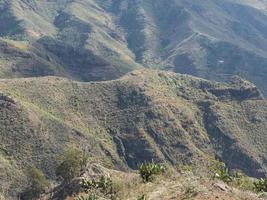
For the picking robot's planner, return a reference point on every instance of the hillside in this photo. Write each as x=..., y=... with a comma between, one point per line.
x=172, y=185
x=93, y=40
x=142, y=116
x=64, y=38
x=117, y=79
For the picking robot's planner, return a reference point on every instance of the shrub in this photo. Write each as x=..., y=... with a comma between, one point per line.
x=190, y=191
x=37, y=184
x=220, y=171
x=104, y=184
x=223, y=174
x=71, y=163
x=88, y=185
x=261, y=185
x=143, y=197
x=148, y=170
x=242, y=181
x=87, y=197
x=185, y=168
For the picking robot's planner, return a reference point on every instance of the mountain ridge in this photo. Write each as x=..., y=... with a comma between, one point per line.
x=142, y=116
x=212, y=39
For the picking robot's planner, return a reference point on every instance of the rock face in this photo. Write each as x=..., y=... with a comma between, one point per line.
x=102, y=40
x=144, y=115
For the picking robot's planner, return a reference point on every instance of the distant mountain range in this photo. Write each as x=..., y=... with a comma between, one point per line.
x=92, y=40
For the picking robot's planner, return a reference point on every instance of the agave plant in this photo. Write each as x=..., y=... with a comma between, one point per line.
x=148, y=170
x=261, y=185
x=104, y=184
x=223, y=174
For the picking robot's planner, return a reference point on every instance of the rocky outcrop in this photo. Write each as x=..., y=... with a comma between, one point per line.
x=239, y=90
x=6, y=100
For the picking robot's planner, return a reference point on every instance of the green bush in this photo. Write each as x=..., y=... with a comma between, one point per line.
x=223, y=174
x=261, y=185
x=37, y=184
x=71, y=163
x=88, y=185
x=220, y=171
x=148, y=170
x=105, y=183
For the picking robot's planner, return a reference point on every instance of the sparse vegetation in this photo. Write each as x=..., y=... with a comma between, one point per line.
x=143, y=197
x=149, y=170
x=189, y=192
x=42, y=121
x=184, y=168
x=87, y=197
x=101, y=187
x=146, y=114
x=261, y=185
x=223, y=174
x=241, y=181
x=71, y=163
x=37, y=184
x=104, y=183
x=220, y=171
x=238, y=180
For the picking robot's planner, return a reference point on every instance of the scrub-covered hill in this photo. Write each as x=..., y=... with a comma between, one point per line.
x=144, y=115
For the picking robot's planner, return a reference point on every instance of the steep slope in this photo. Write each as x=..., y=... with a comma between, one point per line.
x=144, y=115
x=101, y=40
x=211, y=39
x=75, y=39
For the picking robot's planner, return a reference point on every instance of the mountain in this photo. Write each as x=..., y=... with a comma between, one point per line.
x=63, y=38
x=118, y=79
x=93, y=40
x=144, y=115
